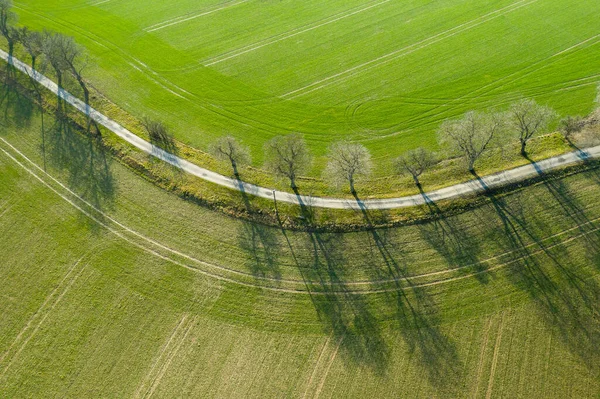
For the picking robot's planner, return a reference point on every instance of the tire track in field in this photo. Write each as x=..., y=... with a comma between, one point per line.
x=165, y=353
x=167, y=85
x=124, y=229
x=485, y=90
x=329, y=364
x=481, y=362
x=289, y=34
x=316, y=366
x=490, y=386
x=170, y=356
x=40, y=316
x=384, y=59
x=6, y=206
x=188, y=17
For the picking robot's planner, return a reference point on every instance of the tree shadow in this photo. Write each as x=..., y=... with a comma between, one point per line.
x=575, y=211
x=453, y=243
x=567, y=299
x=571, y=207
x=18, y=110
x=259, y=241
x=345, y=314
x=415, y=312
x=85, y=161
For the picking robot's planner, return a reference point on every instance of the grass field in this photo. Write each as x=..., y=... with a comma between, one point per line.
x=112, y=287
x=383, y=73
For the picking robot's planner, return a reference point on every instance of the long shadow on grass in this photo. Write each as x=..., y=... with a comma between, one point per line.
x=346, y=315
x=415, y=311
x=575, y=211
x=17, y=109
x=259, y=241
x=566, y=295
x=85, y=161
x=456, y=246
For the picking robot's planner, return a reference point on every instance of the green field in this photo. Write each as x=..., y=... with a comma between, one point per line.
x=112, y=287
x=383, y=73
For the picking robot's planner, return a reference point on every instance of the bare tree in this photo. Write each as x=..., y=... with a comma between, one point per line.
x=160, y=135
x=288, y=157
x=528, y=118
x=348, y=162
x=229, y=149
x=7, y=19
x=415, y=163
x=472, y=136
x=32, y=41
x=74, y=60
x=52, y=44
x=571, y=125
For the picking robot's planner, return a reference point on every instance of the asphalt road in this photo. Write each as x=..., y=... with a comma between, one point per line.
x=459, y=190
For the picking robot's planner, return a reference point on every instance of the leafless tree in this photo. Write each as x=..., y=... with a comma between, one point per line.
x=528, y=118
x=472, y=136
x=571, y=125
x=227, y=148
x=288, y=157
x=160, y=135
x=32, y=41
x=7, y=19
x=349, y=163
x=52, y=44
x=75, y=60
x=415, y=163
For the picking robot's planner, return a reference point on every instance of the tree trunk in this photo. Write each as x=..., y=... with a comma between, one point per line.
x=416, y=179
x=472, y=166
x=523, y=145
x=235, y=170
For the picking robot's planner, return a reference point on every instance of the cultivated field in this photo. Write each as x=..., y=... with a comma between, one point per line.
x=112, y=287
x=381, y=72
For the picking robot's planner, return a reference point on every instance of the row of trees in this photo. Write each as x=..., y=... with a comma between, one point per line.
x=59, y=51
x=469, y=137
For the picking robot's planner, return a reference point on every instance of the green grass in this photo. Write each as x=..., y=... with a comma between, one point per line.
x=439, y=60
x=151, y=295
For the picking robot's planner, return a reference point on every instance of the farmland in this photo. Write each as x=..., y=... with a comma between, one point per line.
x=381, y=73
x=114, y=287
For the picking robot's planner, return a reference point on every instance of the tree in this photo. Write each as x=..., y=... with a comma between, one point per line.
x=571, y=125
x=159, y=135
x=7, y=18
x=415, y=163
x=348, y=162
x=52, y=44
x=73, y=60
x=32, y=41
x=528, y=118
x=472, y=136
x=229, y=149
x=288, y=157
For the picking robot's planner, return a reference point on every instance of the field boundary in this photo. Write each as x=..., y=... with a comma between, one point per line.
x=496, y=262
x=475, y=186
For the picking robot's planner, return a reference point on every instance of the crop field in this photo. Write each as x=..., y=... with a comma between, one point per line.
x=380, y=72
x=112, y=287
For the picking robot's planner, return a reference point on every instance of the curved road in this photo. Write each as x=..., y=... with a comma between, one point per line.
x=471, y=187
